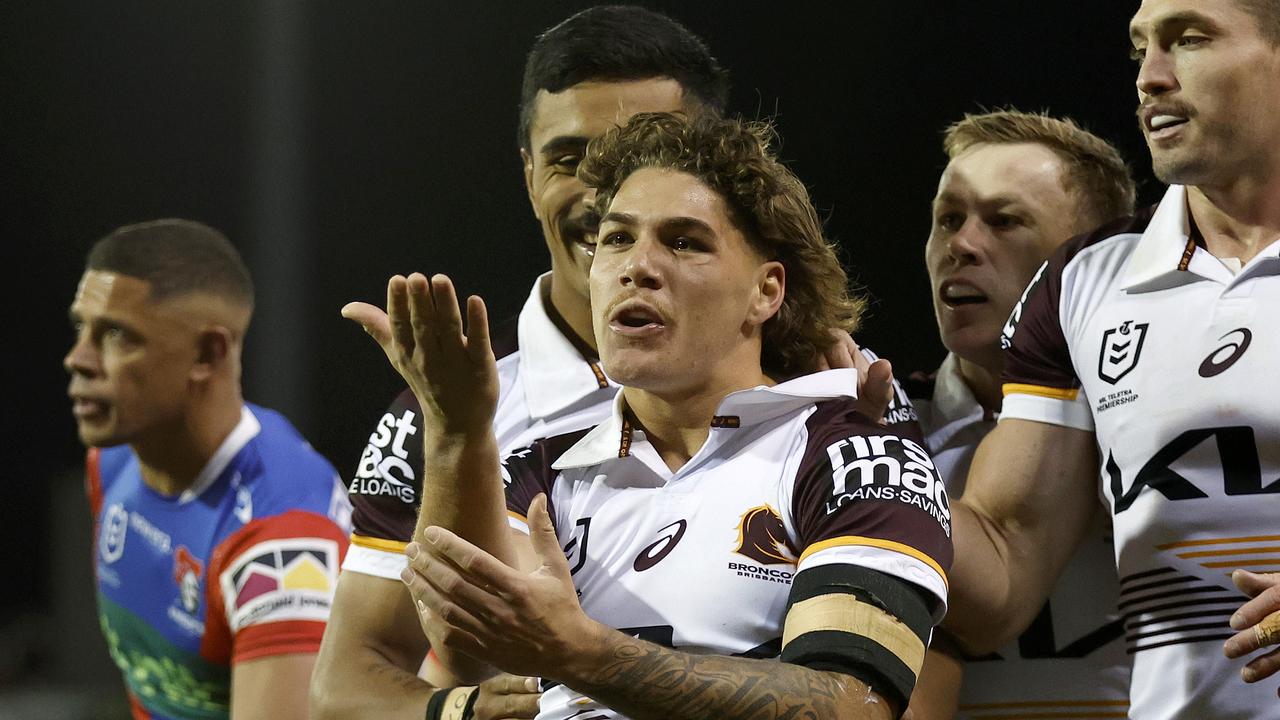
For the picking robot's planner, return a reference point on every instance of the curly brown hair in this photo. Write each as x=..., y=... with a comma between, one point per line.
x=769, y=203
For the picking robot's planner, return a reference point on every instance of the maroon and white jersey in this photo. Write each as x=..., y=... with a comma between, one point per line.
x=1169, y=355
x=1071, y=660
x=702, y=559
x=547, y=386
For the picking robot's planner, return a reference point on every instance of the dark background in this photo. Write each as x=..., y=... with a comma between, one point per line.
x=337, y=143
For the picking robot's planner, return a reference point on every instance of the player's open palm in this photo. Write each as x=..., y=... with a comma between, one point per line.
x=452, y=372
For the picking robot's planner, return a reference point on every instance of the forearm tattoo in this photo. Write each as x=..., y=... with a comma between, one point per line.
x=645, y=681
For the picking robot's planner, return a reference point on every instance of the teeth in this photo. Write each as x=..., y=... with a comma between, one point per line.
x=961, y=292
x=1162, y=121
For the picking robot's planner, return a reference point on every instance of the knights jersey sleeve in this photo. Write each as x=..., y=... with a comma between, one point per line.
x=384, y=491
x=867, y=496
x=1040, y=381
x=271, y=586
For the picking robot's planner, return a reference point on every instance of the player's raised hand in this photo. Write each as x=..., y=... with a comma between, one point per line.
x=452, y=372
x=473, y=604
x=875, y=379
x=1258, y=623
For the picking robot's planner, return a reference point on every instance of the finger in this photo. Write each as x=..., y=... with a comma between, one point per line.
x=1254, y=636
x=448, y=316
x=1252, y=583
x=398, y=313
x=1265, y=600
x=877, y=391
x=483, y=568
x=510, y=685
x=465, y=592
x=443, y=611
x=840, y=354
x=478, y=345
x=542, y=533
x=422, y=312
x=372, y=319
x=1261, y=668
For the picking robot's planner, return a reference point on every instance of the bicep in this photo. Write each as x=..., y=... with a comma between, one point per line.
x=271, y=688
x=1034, y=482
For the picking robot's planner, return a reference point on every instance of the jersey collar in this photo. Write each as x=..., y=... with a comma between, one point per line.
x=244, y=431
x=553, y=373
x=613, y=438
x=952, y=398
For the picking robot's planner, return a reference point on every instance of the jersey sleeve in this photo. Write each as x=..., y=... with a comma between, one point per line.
x=1039, y=380
x=866, y=496
x=384, y=491
x=93, y=481
x=271, y=586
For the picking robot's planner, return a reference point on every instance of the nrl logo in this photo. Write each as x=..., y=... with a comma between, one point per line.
x=1121, y=347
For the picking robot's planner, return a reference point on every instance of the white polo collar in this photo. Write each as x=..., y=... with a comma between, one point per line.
x=612, y=438
x=952, y=398
x=1166, y=255
x=553, y=373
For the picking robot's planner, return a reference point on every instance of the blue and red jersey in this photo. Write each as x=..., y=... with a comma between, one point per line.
x=241, y=566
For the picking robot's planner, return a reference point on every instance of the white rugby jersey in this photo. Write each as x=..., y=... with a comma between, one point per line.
x=702, y=559
x=1139, y=334
x=547, y=386
x=1072, y=659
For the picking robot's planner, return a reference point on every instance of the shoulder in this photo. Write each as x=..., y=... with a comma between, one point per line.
x=282, y=470
x=539, y=456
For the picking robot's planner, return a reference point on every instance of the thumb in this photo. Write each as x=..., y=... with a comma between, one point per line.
x=542, y=533
x=372, y=319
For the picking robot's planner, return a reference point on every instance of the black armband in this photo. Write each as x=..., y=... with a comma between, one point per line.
x=860, y=622
x=454, y=703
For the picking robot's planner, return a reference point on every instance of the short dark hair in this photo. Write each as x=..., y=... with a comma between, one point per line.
x=769, y=203
x=1094, y=173
x=176, y=257
x=617, y=43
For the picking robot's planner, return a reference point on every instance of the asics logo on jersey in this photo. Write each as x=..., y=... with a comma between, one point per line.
x=1237, y=454
x=385, y=468
x=1121, y=348
x=887, y=467
x=1006, y=334
x=1221, y=359
x=657, y=551
x=763, y=538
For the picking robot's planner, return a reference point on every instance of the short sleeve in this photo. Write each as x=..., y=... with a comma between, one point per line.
x=1039, y=380
x=867, y=496
x=271, y=586
x=384, y=491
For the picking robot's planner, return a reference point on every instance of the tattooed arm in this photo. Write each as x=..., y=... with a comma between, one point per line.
x=646, y=681
x=529, y=622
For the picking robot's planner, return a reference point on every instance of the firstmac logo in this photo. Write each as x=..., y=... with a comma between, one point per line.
x=887, y=467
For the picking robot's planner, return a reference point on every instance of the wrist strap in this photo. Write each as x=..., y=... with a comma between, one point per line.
x=452, y=703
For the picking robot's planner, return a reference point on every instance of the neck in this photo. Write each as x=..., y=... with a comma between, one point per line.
x=983, y=382
x=170, y=461
x=1239, y=220
x=572, y=309
x=677, y=423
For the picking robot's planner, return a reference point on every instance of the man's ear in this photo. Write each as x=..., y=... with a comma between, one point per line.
x=213, y=348
x=527, y=160
x=771, y=287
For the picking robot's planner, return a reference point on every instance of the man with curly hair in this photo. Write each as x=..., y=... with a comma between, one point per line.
x=726, y=513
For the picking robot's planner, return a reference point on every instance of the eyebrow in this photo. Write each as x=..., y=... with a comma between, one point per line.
x=995, y=201
x=672, y=223
x=1186, y=18
x=561, y=143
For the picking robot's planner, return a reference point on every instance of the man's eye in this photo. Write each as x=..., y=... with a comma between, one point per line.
x=1005, y=220
x=950, y=221
x=614, y=238
x=1190, y=40
x=1138, y=54
x=568, y=163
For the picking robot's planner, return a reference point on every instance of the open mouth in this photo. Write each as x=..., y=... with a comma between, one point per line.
x=87, y=408
x=956, y=294
x=636, y=319
x=1163, y=124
